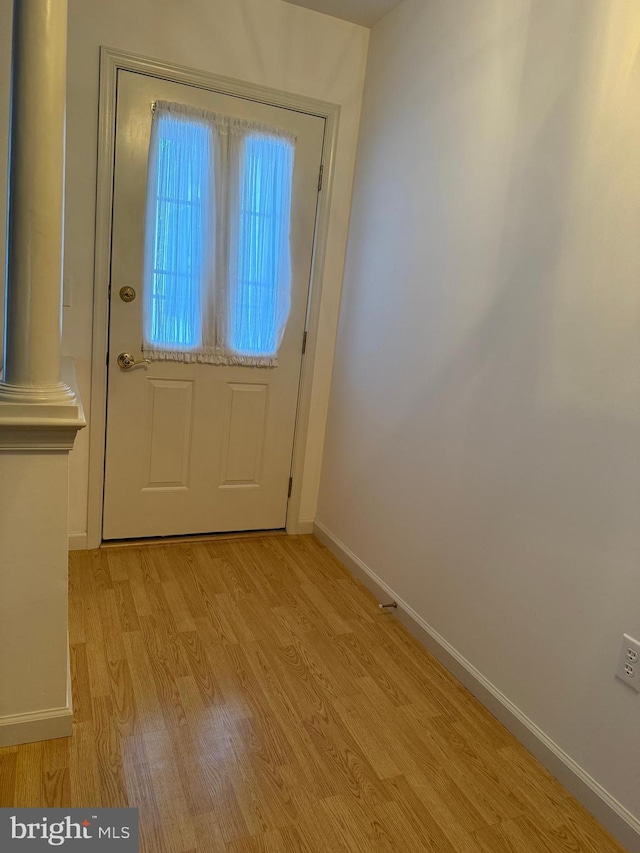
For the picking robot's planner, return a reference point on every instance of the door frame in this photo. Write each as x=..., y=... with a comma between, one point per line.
x=111, y=62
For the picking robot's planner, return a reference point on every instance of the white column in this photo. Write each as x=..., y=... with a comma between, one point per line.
x=39, y=413
x=36, y=205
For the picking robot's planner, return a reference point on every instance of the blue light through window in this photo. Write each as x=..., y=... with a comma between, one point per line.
x=216, y=242
x=259, y=299
x=182, y=197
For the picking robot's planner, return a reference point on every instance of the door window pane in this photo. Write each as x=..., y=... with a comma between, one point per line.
x=178, y=213
x=260, y=298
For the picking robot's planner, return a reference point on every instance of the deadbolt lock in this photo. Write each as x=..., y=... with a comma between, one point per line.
x=127, y=294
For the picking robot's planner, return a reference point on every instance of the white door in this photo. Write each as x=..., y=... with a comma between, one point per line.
x=198, y=447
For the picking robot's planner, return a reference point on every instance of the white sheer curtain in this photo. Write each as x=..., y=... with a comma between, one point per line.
x=217, y=271
x=259, y=254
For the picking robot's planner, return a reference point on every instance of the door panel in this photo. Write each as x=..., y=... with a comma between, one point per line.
x=195, y=448
x=244, y=434
x=170, y=408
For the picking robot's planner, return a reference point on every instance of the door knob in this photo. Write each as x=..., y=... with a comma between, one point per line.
x=126, y=361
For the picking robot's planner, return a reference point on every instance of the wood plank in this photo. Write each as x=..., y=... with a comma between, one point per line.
x=28, y=776
x=8, y=768
x=86, y=785
x=126, y=606
x=177, y=830
x=109, y=754
x=56, y=777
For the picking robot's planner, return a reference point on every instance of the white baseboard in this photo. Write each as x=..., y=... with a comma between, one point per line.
x=41, y=725
x=611, y=814
x=78, y=542
x=49, y=724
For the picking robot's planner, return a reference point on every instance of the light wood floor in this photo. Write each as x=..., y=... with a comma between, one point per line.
x=250, y=696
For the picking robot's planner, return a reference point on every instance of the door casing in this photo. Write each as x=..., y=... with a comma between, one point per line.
x=111, y=61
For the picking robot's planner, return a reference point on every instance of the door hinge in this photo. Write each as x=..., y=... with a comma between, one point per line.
x=290, y=487
x=320, y=177
x=304, y=342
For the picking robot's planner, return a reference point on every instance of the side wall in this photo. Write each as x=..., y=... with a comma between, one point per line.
x=5, y=77
x=483, y=443
x=261, y=41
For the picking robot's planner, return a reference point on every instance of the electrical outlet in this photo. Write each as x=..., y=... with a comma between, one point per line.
x=629, y=662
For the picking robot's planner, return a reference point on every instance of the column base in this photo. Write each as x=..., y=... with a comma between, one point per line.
x=41, y=418
x=52, y=394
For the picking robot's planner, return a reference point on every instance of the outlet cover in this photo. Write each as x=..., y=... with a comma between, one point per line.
x=629, y=662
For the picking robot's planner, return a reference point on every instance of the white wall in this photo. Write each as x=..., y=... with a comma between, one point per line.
x=483, y=441
x=262, y=41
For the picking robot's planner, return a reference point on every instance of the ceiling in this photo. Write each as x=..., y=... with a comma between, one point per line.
x=364, y=12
